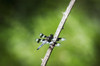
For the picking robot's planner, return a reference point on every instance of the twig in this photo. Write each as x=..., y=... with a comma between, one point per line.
x=62, y=22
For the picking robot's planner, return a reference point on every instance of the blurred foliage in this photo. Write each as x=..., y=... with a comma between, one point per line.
x=21, y=21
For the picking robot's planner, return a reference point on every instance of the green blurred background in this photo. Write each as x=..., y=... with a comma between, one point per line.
x=21, y=22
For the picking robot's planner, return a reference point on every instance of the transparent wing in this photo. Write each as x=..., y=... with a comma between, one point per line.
x=57, y=45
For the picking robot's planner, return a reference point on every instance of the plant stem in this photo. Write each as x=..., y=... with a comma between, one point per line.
x=60, y=26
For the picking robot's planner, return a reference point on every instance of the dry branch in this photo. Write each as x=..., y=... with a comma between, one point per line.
x=62, y=22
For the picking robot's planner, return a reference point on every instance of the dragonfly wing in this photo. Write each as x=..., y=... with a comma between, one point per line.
x=57, y=44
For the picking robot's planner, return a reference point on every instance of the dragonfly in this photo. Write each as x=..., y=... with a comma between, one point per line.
x=47, y=40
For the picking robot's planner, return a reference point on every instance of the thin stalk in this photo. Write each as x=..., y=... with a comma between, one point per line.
x=60, y=26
